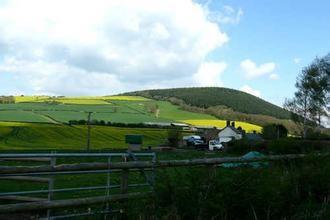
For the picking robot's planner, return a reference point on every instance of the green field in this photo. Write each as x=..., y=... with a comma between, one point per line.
x=42, y=122
x=23, y=136
x=119, y=109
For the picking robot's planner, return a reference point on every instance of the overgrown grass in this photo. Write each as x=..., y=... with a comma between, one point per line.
x=298, y=189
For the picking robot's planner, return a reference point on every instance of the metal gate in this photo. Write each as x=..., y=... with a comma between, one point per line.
x=45, y=186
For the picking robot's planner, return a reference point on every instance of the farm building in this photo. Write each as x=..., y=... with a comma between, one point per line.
x=229, y=133
x=224, y=135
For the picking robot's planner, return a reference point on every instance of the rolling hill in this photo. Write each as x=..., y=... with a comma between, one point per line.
x=43, y=122
x=206, y=97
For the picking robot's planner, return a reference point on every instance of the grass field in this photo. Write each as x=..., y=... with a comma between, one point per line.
x=21, y=116
x=23, y=136
x=169, y=111
x=119, y=109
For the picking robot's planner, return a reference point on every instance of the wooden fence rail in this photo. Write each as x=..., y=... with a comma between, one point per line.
x=42, y=205
x=125, y=167
x=145, y=164
x=24, y=202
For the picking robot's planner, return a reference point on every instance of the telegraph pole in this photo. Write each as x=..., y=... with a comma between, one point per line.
x=89, y=130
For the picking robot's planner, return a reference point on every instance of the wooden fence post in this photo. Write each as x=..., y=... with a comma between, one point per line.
x=124, y=189
x=107, y=207
x=51, y=186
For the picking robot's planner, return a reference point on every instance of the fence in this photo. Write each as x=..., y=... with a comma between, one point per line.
x=124, y=167
x=48, y=177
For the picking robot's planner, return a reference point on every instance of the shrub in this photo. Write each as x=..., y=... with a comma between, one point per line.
x=174, y=137
x=244, y=146
x=297, y=146
x=275, y=192
x=274, y=131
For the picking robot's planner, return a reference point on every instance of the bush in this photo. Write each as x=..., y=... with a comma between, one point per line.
x=274, y=131
x=82, y=122
x=244, y=146
x=276, y=192
x=174, y=137
x=297, y=146
x=317, y=134
x=115, y=124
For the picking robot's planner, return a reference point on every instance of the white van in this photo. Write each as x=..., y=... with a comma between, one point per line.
x=215, y=145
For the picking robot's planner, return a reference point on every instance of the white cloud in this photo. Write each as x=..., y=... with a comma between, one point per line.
x=114, y=45
x=273, y=76
x=209, y=74
x=251, y=70
x=251, y=91
x=227, y=15
x=296, y=60
x=49, y=78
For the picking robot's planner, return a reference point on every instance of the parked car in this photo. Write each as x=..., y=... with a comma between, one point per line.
x=190, y=137
x=215, y=145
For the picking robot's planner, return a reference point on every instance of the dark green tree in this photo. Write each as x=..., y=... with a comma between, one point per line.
x=310, y=100
x=274, y=131
x=320, y=89
x=174, y=137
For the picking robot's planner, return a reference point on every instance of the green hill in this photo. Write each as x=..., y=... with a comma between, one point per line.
x=207, y=97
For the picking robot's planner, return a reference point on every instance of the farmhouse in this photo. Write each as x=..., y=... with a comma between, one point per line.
x=229, y=133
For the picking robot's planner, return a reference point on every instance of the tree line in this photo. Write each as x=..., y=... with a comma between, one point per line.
x=116, y=124
x=7, y=99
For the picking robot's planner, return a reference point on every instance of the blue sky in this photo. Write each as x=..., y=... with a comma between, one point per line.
x=105, y=47
x=279, y=32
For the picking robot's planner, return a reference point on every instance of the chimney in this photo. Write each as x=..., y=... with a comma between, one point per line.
x=233, y=123
x=228, y=123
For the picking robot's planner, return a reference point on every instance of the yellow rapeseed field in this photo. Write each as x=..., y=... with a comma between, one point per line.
x=222, y=123
x=82, y=101
x=126, y=98
x=30, y=98
x=88, y=100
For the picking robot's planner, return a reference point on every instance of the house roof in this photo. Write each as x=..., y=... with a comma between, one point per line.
x=179, y=124
x=232, y=128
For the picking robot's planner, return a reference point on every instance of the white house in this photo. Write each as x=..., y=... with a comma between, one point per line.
x=229, y=133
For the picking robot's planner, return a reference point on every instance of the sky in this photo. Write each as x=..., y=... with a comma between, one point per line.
x=103, y=47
